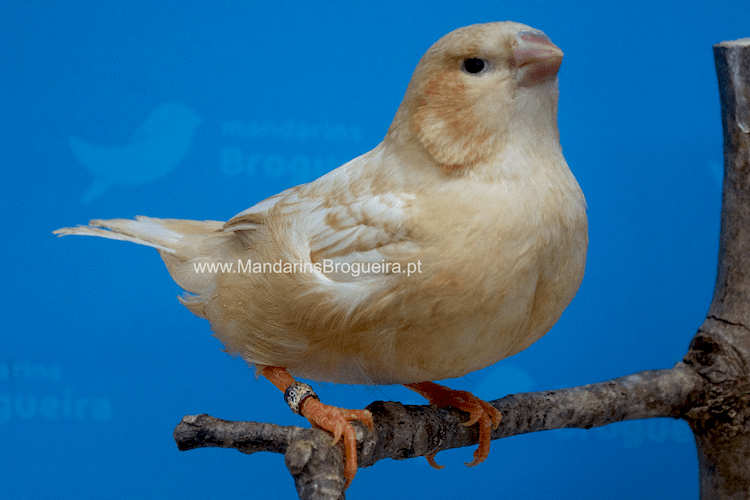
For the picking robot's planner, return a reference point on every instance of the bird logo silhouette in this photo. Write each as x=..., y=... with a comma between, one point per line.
x=155, y=149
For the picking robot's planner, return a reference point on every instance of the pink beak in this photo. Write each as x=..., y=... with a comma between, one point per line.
x=536, y=57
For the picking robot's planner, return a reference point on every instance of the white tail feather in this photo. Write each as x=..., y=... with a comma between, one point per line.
x=142, y=231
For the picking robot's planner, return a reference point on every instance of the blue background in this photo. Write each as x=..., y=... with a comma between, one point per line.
x=234, y=102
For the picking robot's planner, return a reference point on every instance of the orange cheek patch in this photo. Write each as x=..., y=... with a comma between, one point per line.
x=444, y=120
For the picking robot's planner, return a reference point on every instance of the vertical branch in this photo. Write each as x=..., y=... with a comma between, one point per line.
x=732, y=293
x=720, y=351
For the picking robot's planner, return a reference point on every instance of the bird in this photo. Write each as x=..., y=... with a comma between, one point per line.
x=154, y=150
x=456, y=242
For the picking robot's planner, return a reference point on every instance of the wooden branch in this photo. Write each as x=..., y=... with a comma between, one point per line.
x=407, y=431
x=720, y=351
x=710, y=389
x=731, y=301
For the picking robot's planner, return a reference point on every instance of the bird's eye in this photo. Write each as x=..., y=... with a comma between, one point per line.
x=474, y=65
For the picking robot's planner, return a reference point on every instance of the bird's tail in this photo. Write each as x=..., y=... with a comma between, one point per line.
x=181, y=243
x=147, y=231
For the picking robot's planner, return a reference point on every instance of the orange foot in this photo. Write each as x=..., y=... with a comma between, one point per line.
x=333, y=419
x=479, y=411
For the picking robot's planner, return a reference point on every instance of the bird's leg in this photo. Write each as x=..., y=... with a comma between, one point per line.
x=479, y=411
x=303, y=401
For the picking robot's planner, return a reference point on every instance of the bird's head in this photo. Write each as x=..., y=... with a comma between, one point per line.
x=474, y=87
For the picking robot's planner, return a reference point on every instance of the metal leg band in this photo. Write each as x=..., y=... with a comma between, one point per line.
x=296, y=393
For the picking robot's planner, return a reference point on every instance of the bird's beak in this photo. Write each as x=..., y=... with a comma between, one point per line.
x=536, y=58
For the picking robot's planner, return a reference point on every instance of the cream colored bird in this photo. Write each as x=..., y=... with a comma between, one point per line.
x=458, y=241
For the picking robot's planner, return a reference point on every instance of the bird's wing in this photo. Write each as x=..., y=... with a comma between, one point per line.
x=338, y=231
x=363, y=229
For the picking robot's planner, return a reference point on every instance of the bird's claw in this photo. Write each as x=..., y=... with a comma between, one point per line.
x=337, y=421
x=487, y=416
x=433, y=463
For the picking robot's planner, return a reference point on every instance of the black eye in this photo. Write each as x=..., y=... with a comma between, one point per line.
x=474, y=65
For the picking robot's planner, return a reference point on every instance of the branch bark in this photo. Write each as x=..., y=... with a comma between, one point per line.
x=407, y=431
x=710, y=388
x=720, y=351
